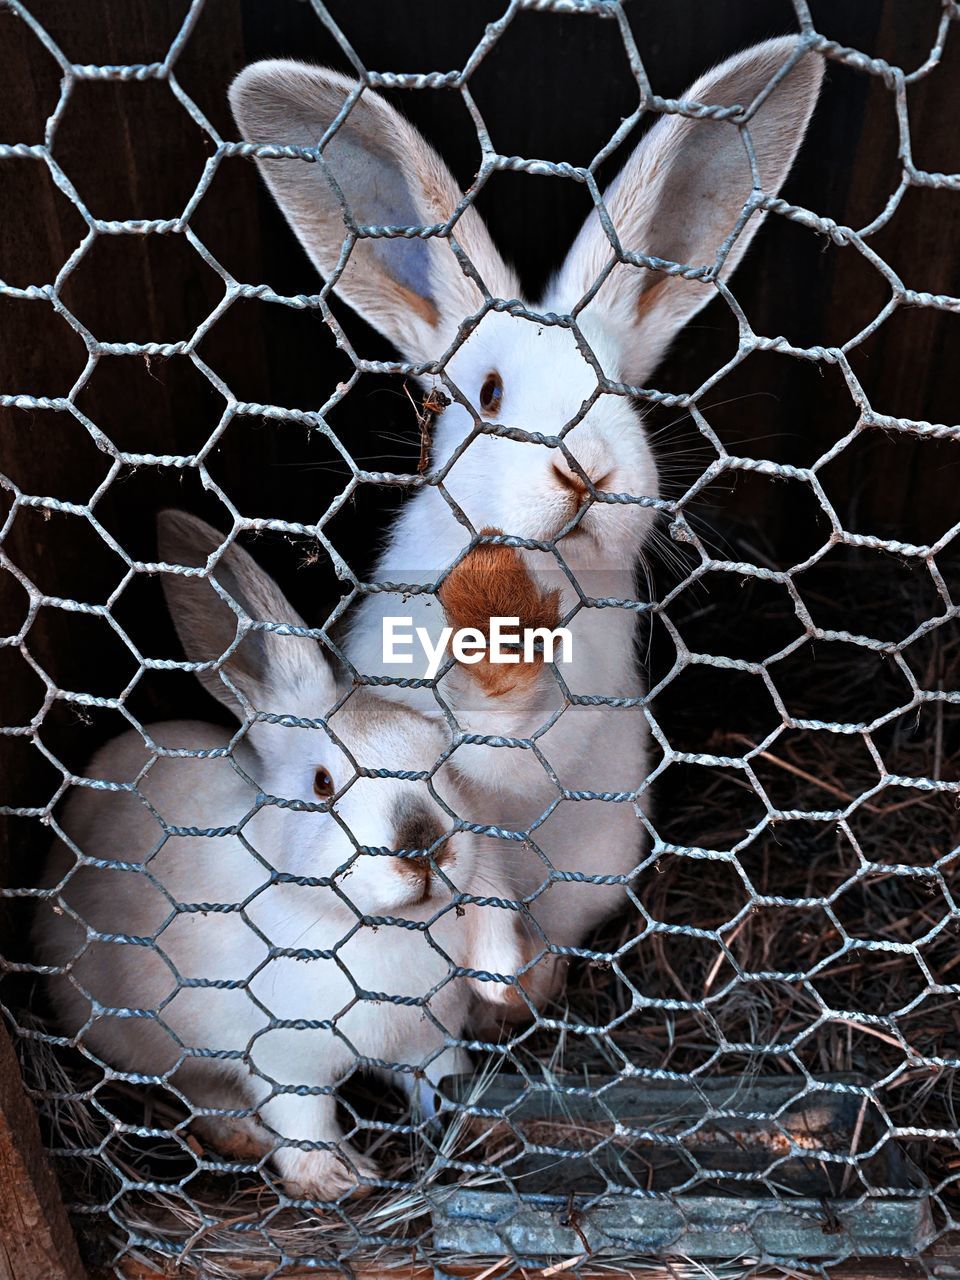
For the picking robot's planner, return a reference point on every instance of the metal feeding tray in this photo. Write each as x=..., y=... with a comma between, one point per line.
x=718, y=1168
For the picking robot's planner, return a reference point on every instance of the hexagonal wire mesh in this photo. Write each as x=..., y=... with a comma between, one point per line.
x=610, y=1128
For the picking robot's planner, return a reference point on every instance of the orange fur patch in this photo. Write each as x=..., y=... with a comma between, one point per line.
x=493, y=582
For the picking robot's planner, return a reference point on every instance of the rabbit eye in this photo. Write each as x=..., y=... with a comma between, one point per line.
x=323, y=787
x=491, y=393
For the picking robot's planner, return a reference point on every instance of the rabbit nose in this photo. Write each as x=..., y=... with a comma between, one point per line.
x=418, y=831
x=575, y=485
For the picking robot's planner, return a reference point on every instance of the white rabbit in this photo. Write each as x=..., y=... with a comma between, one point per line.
x=677, y=199
x=250, y=899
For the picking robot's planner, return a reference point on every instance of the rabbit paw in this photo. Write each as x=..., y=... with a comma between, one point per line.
x=328, y=1174
x=507, y=1005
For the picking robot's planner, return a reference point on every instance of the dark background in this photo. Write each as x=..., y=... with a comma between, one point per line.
x=555, y=87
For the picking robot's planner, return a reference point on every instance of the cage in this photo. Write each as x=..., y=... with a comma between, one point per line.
x=749, y=1068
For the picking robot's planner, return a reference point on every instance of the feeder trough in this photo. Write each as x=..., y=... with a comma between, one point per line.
x=666, y=1168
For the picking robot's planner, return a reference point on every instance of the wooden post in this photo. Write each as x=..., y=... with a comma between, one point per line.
x=36, y=1241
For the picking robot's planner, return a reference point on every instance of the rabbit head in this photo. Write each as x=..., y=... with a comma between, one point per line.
x=353, y=165
x=322, y=809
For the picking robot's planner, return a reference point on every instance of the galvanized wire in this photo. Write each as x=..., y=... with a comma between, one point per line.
x=132, y=1242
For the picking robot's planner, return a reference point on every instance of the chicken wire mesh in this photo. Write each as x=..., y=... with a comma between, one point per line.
x=764, y=1048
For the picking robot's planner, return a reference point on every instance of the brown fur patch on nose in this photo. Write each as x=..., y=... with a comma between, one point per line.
x=493, y=582
x=417, y=830
x=571, y=481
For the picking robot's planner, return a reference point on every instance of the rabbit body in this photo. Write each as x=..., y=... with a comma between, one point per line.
x=541, y=439
x=210, y=923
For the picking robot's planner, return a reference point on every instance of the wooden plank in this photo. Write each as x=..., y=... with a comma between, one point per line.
x=947, y=1265
x=36, y=1241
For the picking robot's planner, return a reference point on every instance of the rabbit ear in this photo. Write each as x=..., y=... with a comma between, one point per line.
x=411, y=288
x=273, y=671
x=679, y=197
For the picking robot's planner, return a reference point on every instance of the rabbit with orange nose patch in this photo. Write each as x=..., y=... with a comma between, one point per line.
x=542, y=440
x=250, y=915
